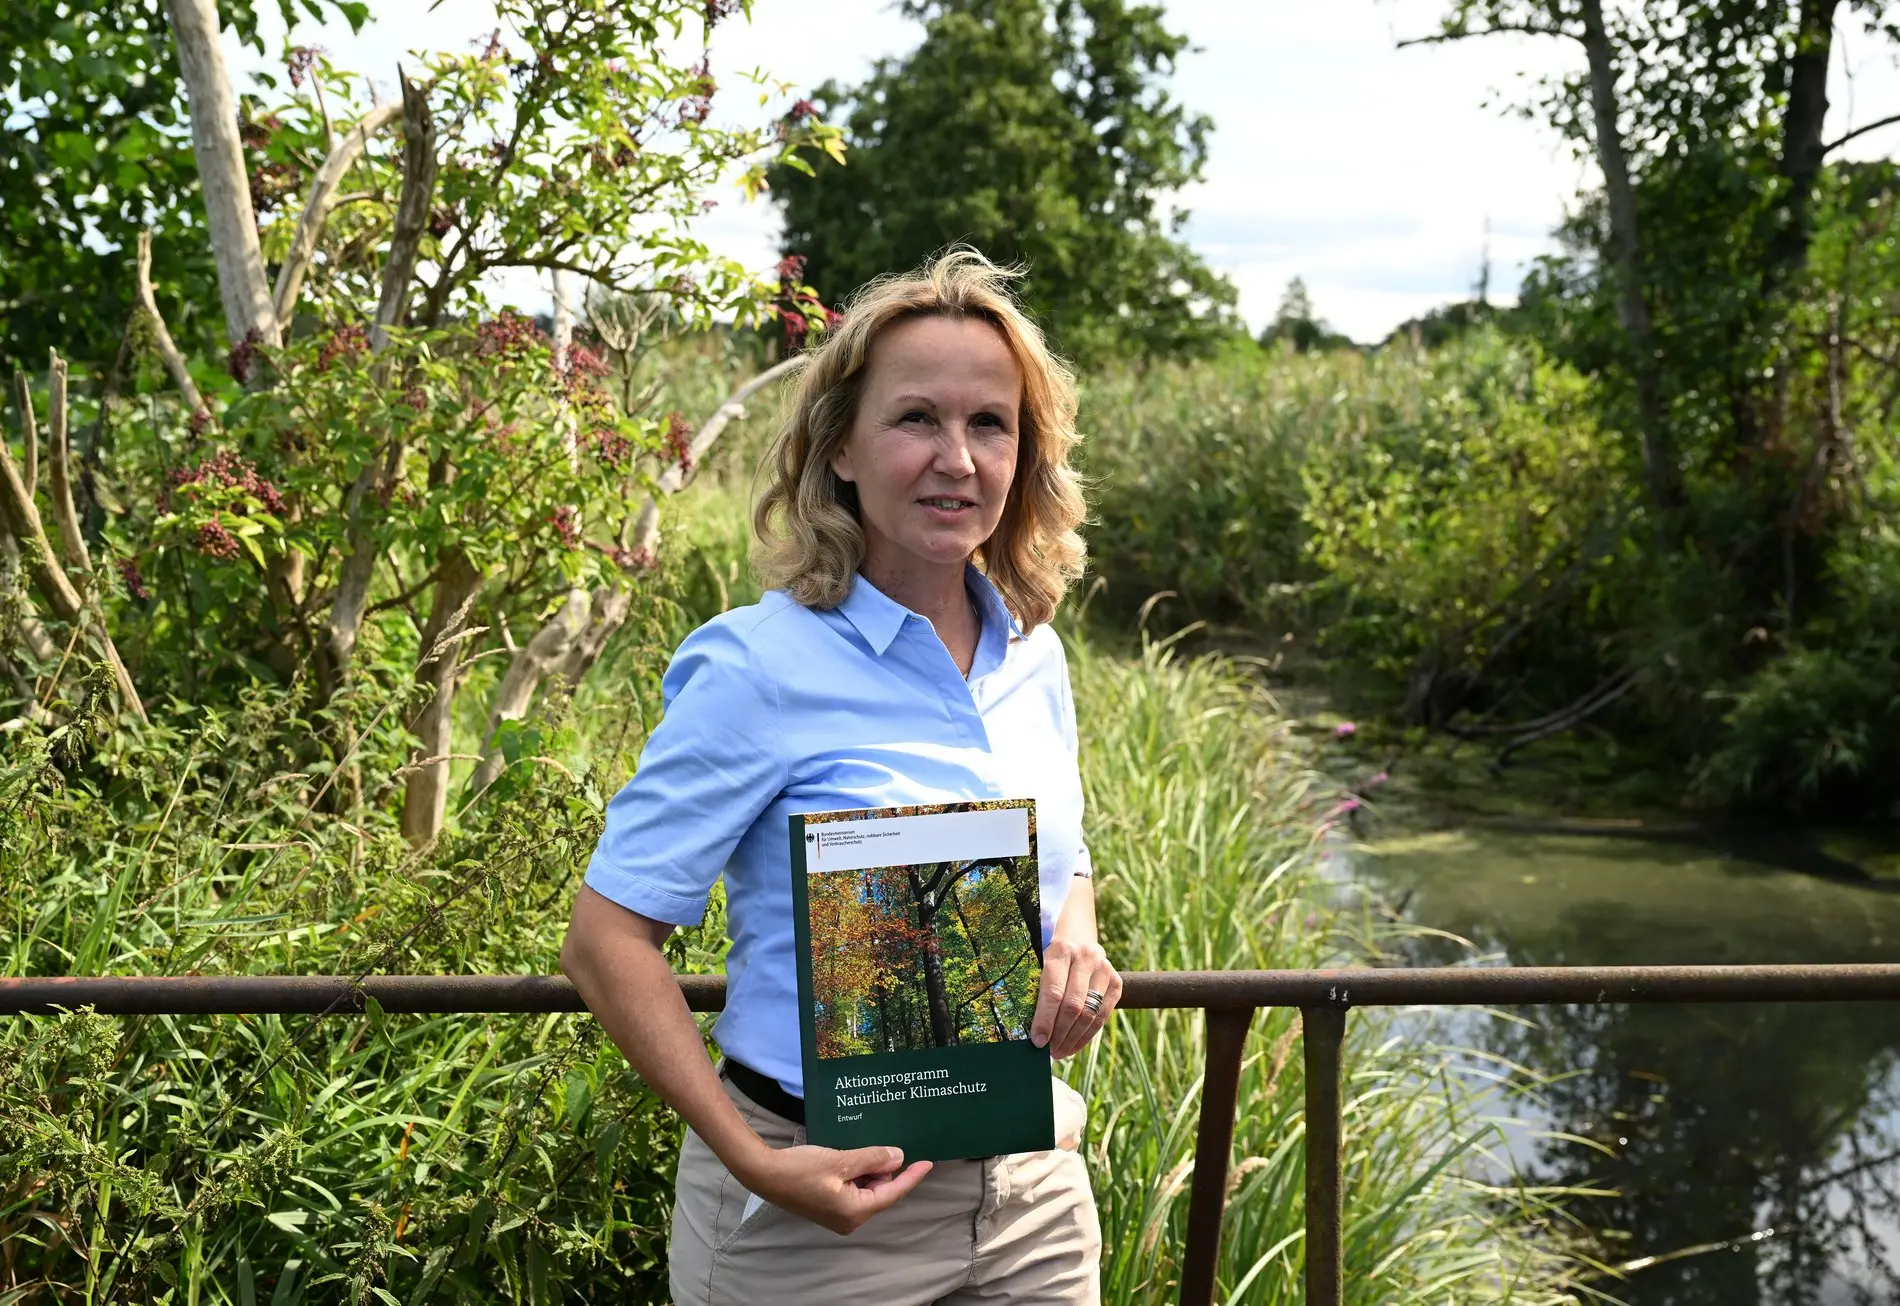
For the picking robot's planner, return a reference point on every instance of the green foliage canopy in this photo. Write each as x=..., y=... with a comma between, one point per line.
x=95, y=148
x=1037, y=132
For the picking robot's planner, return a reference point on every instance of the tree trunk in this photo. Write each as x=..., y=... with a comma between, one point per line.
x=337, y=642
x=248, y=312
x=1802, y=149
x=1659, y=466
x=426, y=792
x=419, y=166
x=942, y=1032
x=1027, y=891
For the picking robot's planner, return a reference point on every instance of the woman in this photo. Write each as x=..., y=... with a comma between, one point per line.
x=919, y=531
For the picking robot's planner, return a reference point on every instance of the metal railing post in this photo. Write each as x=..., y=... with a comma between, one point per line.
x=1323, y=1032
x=1207, y=1201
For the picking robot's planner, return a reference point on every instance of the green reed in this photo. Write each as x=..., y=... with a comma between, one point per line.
x=1205, y=828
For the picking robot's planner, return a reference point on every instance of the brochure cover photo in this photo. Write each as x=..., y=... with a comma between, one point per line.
x=919, y=960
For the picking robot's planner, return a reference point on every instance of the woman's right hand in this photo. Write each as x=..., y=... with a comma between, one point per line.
x=839, y=1190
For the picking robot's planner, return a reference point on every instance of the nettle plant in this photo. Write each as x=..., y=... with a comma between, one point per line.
x=385, y=476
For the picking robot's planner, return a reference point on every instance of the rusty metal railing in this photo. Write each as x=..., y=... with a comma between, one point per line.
x=1228, y=1000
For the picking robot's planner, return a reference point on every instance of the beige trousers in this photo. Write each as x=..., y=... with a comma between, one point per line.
x=1010, y=1229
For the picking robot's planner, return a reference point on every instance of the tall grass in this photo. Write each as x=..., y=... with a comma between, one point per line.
x=1203, y=823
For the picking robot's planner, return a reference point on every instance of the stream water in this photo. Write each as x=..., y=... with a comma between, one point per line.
x=1754, y=1150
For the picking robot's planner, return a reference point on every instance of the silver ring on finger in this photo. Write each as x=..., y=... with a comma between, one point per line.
x=1094, y=1002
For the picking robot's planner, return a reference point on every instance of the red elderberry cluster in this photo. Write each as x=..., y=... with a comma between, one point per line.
x=215, y=541
x=697, y=106
x=298, y=62
x=134, y=582
x=679, y=441
x=719, y=10
x=229, y=470
x=794, y=299
x=507, y=335
x=567, y=524
x=242, y=360
x=349, y=343
x=801, y=110
x=580, y=371
x=416, y=398
x=636, y=559
x=612, y=449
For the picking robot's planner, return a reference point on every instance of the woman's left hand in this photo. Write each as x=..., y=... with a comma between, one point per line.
x=1072, y=973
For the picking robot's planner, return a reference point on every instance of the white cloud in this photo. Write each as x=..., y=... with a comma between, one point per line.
x=1368, y=170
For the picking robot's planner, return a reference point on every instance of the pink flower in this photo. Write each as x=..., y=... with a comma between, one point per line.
x=1376, y=779
x=1345, y=730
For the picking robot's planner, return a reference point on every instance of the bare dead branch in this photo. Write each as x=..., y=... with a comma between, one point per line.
x=167, y=347
x=426, y=791
x=1494, y=29
x=646, y=534
x=22, y=520
x=30, y=426
x=1841, y=140
x=59, y=482
x=321, y=201
x=32, y=631
x=412, y=211
x=527, y=668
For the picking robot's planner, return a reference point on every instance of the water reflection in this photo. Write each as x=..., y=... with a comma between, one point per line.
x=1714, y=1124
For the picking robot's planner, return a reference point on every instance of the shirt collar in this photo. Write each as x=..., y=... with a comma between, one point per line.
x=878, y=617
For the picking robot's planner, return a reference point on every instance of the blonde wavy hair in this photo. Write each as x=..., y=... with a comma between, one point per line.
x=808, y=540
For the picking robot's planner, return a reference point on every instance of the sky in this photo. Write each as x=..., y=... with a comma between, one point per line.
x=1378, y=175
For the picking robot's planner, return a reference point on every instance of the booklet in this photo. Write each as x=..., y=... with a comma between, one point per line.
x=919, y=935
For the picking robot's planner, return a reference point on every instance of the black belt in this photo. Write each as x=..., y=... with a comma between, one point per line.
x=764, y=1090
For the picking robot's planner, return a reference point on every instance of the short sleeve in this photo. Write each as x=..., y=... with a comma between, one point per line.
x=710, y=767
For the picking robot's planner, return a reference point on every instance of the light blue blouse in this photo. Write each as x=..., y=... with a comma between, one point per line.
x=778, y=708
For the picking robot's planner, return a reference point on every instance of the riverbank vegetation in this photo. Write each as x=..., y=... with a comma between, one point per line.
x=1651, y=501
